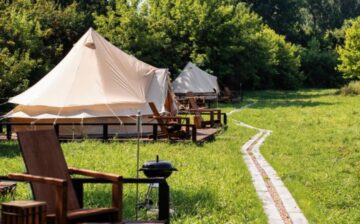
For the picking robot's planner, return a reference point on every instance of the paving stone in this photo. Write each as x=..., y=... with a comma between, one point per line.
x=270, y=208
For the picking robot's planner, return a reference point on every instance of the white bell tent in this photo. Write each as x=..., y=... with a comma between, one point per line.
x=96, y=82
x=193, y=79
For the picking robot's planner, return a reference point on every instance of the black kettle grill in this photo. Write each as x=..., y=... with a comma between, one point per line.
x=154, y=168
x=158, y=168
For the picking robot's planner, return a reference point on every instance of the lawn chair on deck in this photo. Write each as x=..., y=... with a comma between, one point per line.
x=170, y=125
x=198, y=120
x=227, y=95
x=50, y=181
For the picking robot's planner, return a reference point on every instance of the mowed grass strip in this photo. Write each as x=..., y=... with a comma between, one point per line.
x=211, y=186
x=314, y=147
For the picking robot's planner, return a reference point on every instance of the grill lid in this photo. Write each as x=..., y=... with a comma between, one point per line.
x=158, y=165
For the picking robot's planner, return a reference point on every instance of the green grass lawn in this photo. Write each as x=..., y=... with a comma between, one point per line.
x=314, y=147
x=211, y=186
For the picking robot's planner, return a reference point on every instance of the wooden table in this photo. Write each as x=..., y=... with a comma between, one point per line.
x=23, y=212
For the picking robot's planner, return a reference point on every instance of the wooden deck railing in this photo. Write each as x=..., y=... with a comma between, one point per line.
x=223, y=115
x=105, y=128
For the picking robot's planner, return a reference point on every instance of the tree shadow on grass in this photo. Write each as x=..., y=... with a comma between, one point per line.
x=185, y=203
x=99, y=195
x=289, y=103
x=289, y=95
x=273, y=99
x=9, y=149
x=191, y=203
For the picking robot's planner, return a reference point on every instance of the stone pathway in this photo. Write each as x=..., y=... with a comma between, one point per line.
x=278, y=203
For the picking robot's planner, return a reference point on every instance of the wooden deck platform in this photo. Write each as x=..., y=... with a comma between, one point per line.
x=206, y=134
x=202, y=135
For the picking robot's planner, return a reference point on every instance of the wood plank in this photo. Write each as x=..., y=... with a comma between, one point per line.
x=205, y=134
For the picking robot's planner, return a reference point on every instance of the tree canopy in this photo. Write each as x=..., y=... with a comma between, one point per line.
x=33, y=36
x=226, y=39
x=259, y=44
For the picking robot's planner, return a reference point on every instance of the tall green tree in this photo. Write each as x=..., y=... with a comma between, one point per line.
x=350, y=52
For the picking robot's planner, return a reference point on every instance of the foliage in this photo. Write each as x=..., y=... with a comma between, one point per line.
x=15, y=69
x=34, y=35
x=212, y=184
x=283, y=70
x=306, y=22
x=236, y=40
x=302, y=20
x=353, y=88
x=314, y=147
x=318, y=63
x=88, y=8
x=350, y=52
x=227, y=39
x=286, y=17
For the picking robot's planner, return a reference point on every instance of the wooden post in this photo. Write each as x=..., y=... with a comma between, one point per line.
x=218, y=116
x=117, y=198
x=212, y=118
x=225, y=119
x=193, y=137
x=57, y=129
x=105, y=132
x=155, y=132
x=187, y=128
x=164, y=202
x=61, y=203
x=79, y=191
x=8, y=131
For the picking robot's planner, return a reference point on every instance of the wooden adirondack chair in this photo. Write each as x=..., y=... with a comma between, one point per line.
x=226, y=96
x=50, y=180
x=198, y=120
x=199, y=100
x=169, y=125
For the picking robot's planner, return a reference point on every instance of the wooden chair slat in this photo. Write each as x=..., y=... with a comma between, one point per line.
x=43, y=157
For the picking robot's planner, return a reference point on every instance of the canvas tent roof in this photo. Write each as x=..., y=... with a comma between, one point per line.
x=193, y=79
x=95, y=79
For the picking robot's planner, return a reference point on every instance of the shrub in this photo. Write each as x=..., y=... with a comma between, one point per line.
x=353, y=88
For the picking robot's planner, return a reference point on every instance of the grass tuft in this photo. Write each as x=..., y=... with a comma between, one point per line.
x=353, y=88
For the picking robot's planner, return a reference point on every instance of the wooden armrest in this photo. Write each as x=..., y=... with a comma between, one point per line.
x=60, y=192
x=167, y=117
x=117, y=188
x=106, y=176
x=38, y=179
x=126, y=180
x=205, y=110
